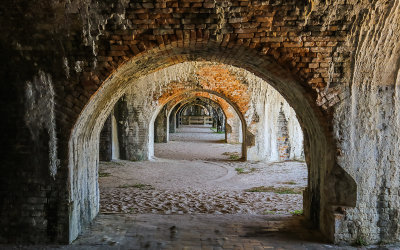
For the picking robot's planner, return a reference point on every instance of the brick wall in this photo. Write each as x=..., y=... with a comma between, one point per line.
x=328, y=61
x=161, y=127
x=283, y=137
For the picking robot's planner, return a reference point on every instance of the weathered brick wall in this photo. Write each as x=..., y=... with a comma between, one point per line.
x=161, y=127
x=276, y=136
x=233, y=128
x=302, y=48
x=283, y=137
x=134, y=135
x=246, y=92
x=284, y=31
x=120, y=112
x=366, y=125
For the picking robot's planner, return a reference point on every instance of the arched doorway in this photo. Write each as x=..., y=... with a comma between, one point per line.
x=319, y=147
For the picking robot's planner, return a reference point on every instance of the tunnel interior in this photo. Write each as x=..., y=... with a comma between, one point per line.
x=206, y=79
x=198, y=166
x=93, y=84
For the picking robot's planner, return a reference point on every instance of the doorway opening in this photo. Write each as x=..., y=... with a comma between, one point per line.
x=88, y=127
x=198, y=166
x=200, y=129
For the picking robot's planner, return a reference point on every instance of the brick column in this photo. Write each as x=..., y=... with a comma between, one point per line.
x=233, y=130
x=172, y=122
x=133, y=130
x=161, y=127
x=105, y=147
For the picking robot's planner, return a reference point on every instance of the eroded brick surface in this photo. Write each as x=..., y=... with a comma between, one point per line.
x=336, y=64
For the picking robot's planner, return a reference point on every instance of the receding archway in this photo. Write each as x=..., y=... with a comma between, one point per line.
x=319, y=146
x=226, y=114
x=231, y=117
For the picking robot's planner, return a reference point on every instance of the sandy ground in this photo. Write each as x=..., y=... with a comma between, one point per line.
x=196, y=143
x=194, y=174
x=200, y=182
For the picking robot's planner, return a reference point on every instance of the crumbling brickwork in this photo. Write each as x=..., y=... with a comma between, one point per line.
x=335, y=63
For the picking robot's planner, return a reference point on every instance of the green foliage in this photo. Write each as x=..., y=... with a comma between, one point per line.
x=215, y=131
x=360, y=241
x=239, y=170
x=297, y=212
x=103, y=174
x=245, y=170
x=232, y=155
x=111, y=163
x=277, y=190
x=253, y=170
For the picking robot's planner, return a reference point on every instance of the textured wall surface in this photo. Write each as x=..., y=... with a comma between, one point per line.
x=277, y=108
x=161, y=126
x=367, y=125
x=233, y=129
x=249, y=97
x=65, y=64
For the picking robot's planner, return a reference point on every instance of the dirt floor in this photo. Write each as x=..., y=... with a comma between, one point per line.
x=195, y=195
x=196, y=173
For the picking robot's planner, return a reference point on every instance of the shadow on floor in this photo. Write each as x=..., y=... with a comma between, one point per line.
x=152, y=231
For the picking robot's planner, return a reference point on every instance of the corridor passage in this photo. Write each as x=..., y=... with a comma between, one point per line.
x=201, y=232
x=196, y=142
x=197, y=194
x=196, y=173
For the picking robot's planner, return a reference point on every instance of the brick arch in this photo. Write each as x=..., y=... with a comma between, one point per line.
x=233, y=125
x=316, y=125
x=223, y=101
x=192, y=103
x=170, y=100
x=197, y=104
x=188, y=96
x=186, y=103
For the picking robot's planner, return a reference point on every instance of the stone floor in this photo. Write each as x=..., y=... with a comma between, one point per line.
x=198, y=173
x=151, y=231
x=199, y=232
x=194, y=174
x=196, y=143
